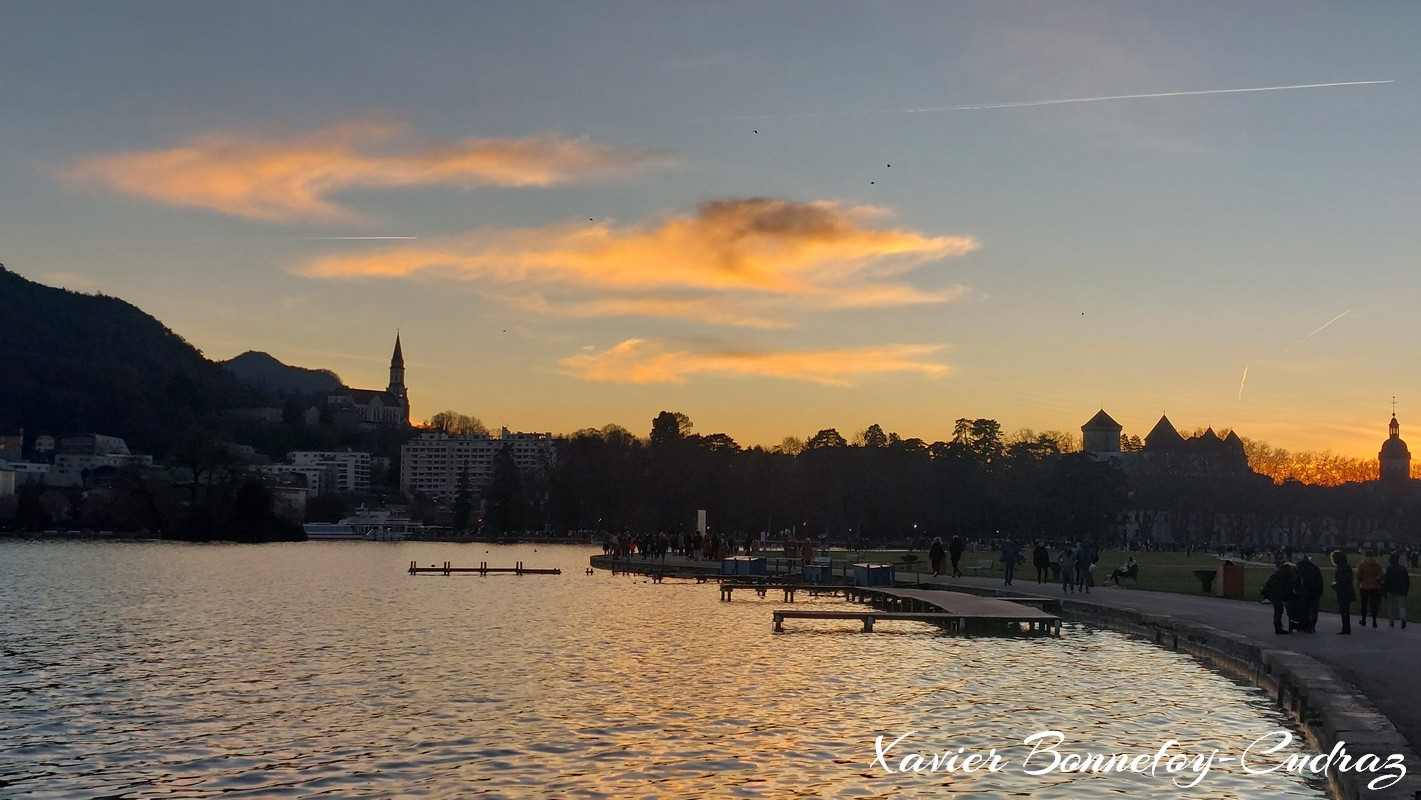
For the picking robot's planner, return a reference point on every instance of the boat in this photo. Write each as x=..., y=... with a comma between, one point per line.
x=371, y=525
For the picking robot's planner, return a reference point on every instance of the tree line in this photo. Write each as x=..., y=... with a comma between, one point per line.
x=877, y=487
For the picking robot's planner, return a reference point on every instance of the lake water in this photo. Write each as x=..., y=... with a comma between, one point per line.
x=154, y=670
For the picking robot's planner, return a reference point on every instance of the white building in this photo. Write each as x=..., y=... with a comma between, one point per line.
x=28, y=472
x=347, y=471
x=83, y=453
x=431, y=463
x=315, y=475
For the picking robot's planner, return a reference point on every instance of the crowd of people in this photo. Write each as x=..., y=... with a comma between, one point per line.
x=695, y=546
x=1295, y=590
x=1074, y=565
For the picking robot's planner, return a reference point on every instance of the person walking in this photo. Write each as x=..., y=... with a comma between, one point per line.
x=1041, y=559
x=954, y=552
x=1309, y=593
x=937, y=554
x=1395, y=584
x=1343, y=587
x=1369, y=586
x=1067, y=562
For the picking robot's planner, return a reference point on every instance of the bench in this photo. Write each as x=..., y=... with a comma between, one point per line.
x=1206, y=579
x=1132, y=575
x=979, y=565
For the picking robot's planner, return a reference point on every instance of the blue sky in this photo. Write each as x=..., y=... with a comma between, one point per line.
x=611, y=209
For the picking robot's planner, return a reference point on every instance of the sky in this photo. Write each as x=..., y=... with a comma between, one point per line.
x=772, y=217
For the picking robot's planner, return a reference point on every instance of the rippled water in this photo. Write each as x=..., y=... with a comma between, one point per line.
x=322, y=669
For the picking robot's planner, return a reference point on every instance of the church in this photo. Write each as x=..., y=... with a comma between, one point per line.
x=374, y=408
x=1394, y=458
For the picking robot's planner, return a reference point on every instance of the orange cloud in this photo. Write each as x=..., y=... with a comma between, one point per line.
x=713, y=310
x=735, y=261
x=278, y=181
x=640, y=361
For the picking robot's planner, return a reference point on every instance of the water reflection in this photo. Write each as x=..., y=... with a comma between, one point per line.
x=322, y=669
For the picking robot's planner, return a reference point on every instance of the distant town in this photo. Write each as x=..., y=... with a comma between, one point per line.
x=450, y=477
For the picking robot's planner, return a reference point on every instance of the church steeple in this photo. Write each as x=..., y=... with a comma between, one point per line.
x=397, y=377
x=1395, y=457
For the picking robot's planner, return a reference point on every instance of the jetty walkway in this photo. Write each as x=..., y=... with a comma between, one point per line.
x=1364, y=689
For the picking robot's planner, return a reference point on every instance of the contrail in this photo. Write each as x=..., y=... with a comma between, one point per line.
x=251, y=239
x=305, y=239
x=1319, y=330
x=1242, y=382
x=1063, y=101
x=336, y=238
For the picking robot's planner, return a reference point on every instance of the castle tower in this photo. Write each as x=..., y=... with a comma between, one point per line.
x=1101, y=434
x=1395, y=458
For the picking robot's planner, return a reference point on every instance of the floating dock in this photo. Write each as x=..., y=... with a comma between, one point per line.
x=482, y=569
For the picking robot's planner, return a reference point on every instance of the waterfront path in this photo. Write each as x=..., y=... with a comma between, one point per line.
x=1383, y=663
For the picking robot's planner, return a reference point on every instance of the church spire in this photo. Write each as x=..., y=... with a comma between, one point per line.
x=397, y=373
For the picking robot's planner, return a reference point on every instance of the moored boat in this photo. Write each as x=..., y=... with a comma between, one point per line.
x=377, y=525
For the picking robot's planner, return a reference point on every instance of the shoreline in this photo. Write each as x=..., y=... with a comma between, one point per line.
x=1326, y=705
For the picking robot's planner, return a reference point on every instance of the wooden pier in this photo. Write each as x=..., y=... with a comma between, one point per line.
x=482, y=569
x=951, y=621
x=789, y=589
x=957, y=612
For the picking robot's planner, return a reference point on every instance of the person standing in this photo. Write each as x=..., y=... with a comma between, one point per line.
x=1279, y=591
x=954, y=551
x=1067, y=561
x=1344, y=588
x=937, y=555
x=1395, y=584
x=1011, y=554
x=1041, y=559
x=1369, y=586
x=1085, y=565
x=1309, y=593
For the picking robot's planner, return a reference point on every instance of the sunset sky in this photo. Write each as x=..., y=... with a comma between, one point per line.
x=772, y=217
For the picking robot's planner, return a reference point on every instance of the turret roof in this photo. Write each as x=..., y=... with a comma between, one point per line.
x=1163, y=434
x=1101, y=420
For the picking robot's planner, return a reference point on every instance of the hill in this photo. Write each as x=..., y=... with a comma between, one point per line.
x=79, y=362
x=261, y=371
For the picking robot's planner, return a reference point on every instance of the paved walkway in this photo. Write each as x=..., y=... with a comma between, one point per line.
x=1383, y=663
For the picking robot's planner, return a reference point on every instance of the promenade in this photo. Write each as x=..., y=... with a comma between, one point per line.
x=1383, y=664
